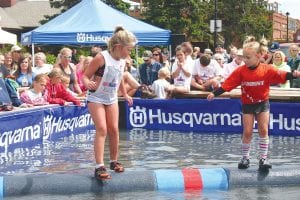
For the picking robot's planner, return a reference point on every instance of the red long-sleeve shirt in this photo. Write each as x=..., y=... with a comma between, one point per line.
x=255, y=84
x=57, y=94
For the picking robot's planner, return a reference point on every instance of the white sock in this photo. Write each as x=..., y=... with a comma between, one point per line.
x=99, y=165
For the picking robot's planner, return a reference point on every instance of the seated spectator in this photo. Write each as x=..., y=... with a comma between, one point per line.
x=228, y=68
x=206, y=74
x=56, y=92
x=181, y=72
x=161, y=87
x=148, y=70
x=41, y=67
x=35, y=95
x=279, y=63
x=24, y=75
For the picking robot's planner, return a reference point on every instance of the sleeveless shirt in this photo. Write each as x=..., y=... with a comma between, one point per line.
x=107, y=90
x=71, y=76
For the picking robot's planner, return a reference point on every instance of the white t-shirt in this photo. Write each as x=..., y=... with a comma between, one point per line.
x=228, y=68
x=45, y=69
x=182, y=79
x=212, y=70
x=159, y=87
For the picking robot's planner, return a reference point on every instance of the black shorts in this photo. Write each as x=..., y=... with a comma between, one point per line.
x=256, y=108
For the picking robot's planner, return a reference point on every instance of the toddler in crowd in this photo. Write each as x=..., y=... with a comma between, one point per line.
x=35, y=95
x=161, y=86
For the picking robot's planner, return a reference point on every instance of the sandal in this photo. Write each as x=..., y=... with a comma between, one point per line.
x=117, y=167
x=101, y=174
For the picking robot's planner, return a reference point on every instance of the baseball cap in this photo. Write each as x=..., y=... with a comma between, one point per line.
x=147, y=55
x=274, y=46
x=15, y=48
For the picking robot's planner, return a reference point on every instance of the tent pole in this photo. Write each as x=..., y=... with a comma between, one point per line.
x=32, y=54
x=170, y=52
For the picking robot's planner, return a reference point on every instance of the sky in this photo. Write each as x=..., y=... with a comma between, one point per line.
x=291, y=6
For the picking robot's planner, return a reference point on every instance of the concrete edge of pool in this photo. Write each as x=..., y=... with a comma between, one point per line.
x=156, y=180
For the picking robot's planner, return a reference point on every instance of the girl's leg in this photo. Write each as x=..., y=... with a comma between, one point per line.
x=112, y=113
x=263, y=124
x=97, y=112
x=248, y=121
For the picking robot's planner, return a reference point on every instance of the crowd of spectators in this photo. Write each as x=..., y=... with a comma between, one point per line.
x=30, y=85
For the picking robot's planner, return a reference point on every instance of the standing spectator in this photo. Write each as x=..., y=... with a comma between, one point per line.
x=228, y=68
x=294, y=63
x=8, y=63
x=219, y=58
x=279, y=63
x=157, y=56
x=16, y=55
x=68, y=69
x=41, y=67
x=95, y=50
x=220, y=49
x=102, y=78
x=149, y=69
x=24, y=75
x=3, y=70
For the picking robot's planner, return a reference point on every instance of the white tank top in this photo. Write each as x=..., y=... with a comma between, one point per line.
x=107, y=91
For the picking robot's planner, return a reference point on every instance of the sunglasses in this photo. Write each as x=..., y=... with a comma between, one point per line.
x=155, y=54
x=69, y=57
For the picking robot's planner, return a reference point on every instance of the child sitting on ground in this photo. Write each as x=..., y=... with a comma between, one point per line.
x=35, y=95
x=56, y=92
x=161, y=86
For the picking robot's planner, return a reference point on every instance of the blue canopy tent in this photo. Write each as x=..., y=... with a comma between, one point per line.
x=93, y=22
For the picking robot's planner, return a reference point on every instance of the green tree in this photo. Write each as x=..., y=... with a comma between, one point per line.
x=192, y=18
x=181, y=17
x=243, y=17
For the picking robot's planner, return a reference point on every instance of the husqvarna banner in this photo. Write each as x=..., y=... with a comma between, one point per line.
x=200, y=115
x=31, y=126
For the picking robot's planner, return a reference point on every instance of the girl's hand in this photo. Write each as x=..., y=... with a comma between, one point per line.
x=92, y=85
x=129, y=99
x=296, y=73
x=210, y=96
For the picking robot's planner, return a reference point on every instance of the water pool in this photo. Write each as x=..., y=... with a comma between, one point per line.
x=152, y=150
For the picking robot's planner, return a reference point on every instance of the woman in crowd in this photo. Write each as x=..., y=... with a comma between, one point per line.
x=68, y=68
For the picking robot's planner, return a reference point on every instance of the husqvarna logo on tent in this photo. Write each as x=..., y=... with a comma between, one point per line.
x=84, y=37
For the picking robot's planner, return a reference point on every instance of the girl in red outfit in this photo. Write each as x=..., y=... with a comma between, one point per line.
x=255, y=79
x=56, y=93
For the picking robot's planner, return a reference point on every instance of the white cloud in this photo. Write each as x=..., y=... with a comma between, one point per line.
x=291, y=6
